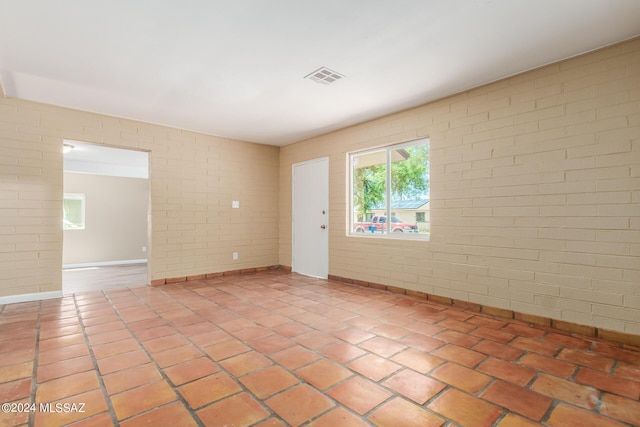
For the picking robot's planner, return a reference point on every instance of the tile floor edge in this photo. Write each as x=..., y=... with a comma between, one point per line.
x=561, y=325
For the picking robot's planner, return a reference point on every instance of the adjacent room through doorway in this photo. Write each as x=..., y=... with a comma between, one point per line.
x=106, y=218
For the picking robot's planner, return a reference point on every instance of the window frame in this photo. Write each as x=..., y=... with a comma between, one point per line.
x=388, y=150
x=74, y=196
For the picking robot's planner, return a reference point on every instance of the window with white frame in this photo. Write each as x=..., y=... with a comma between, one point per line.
x=73, y=211
x=390, y=182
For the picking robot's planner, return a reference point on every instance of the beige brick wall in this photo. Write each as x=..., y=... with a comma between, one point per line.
x=535, y=194
x=193, y=179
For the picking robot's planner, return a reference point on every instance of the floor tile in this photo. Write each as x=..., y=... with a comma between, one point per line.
x=341, y=352
x=422, y=342
x=587, y=359
x=94, y=403
x=268, y=381
x=569, y=416
x=294, y=357
x=15, y=390
x=458, y=338
x=131, y=378
x=611, y=383
x=271, y=344
x=414, y=386
x=190, y=370
x=620, y=408
x=373, y=367
x=240, y=411
x=417, y=360
x=299, y=404
x=626, y=370
x=245, y=363
x=513, y=420
x=209, y=338
x=173, y=414
x=176, y=355
x=111, y=349
x=498, y=350
x=359, y=395
x=548, y=365
x=461, y=377
x=226, y=349
x=208, y=389
x=535, y=346
x=122, y=361
x=353, y=335
x=400, y=412
x=101, y=420
x=59, y=342
x=338, y=417
x=382, y=346
x=299, y=350
x=586, y=397
x=314, y=339
x=323, y=374
x=507, y=371
x=64, y=368
x=67, y=386
x=465, y=409
x=109, y=337
x=518, y=399
x=155, y=332
x=163, y=343
x=291, y=329
x=493, y=334
x=64, y=353
x=463, y=356
x=142, y=399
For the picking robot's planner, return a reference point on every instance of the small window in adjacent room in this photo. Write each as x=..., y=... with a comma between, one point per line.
x=73, y=208
x=390, y=182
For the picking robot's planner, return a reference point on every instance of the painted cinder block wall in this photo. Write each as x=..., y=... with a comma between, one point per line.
x=535, y=194
x=193, y=180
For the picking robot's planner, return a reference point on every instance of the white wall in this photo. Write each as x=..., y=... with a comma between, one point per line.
x=116, y=212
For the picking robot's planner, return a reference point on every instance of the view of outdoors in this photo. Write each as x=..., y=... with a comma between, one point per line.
x=391, y=182
x=73, y=211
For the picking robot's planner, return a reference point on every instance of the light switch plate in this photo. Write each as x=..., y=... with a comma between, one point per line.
x=235, y=204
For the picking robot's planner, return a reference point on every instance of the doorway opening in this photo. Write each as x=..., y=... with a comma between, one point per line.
x=106, y=223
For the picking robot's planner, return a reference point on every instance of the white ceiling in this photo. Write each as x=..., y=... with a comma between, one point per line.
x=100, y=160
x=236, y=68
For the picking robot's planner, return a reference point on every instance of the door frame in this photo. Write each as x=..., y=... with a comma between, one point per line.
x=293, y=211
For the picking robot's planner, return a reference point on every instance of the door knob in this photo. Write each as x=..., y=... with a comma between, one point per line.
x=323, y=226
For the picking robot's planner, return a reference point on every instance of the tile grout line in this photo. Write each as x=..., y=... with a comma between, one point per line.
x=34, y=375
x=193, y=412
x=94, y=361
x=301, y=381
x=163, y=375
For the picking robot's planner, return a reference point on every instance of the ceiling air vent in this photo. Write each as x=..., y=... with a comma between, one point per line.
x=323, y=76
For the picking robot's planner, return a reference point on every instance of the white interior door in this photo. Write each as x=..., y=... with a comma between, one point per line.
x=311, y=218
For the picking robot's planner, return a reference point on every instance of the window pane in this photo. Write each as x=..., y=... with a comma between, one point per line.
x=369, y=190
x=390, y=190
x=409, y=186
x=73, y=208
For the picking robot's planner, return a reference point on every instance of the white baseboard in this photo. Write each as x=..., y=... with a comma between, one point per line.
x=12, y=299
x=104, y=263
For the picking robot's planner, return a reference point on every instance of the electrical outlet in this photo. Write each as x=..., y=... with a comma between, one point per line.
x=235, y=204
x=144, y=249
x=235, y=255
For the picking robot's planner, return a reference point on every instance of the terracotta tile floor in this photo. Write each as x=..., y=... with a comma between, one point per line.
x=276, y=348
